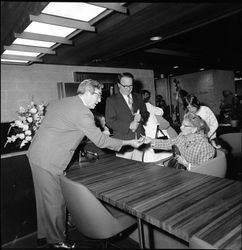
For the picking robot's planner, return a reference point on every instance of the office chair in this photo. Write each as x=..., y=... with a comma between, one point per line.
x=215, y=167
x=232, y=143
x=92, y=218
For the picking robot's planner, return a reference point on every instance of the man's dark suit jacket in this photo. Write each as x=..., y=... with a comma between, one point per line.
x=118, y=115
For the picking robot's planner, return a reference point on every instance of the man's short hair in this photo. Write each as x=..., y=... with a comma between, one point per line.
x=88, y=85
x=125, y=74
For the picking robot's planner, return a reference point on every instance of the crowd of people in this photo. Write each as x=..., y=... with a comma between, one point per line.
x=128, y=127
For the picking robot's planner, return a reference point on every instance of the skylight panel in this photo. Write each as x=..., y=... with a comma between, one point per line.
x=30, y=42
x=73, y=10
x=20, y=53
x=14, y=61
x=49, y=29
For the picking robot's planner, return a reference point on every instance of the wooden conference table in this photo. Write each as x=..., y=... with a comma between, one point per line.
x=182, y=203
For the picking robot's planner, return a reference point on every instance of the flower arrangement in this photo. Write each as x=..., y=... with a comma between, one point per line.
x=29, y=120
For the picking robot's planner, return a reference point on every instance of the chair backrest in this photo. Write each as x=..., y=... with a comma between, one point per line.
x=232, y=142
x=215, y=167
x=90, y=217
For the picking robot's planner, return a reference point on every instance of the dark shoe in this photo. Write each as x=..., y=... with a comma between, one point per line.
x=41, y=242
x=63, y=245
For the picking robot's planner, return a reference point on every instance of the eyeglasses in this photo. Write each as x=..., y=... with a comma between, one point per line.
x=126, y=86
x=98, y=94
x=186, y=126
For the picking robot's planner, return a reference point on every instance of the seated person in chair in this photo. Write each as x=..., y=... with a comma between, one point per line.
x=192, y=142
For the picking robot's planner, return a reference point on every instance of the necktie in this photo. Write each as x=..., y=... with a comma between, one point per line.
x=130, y=102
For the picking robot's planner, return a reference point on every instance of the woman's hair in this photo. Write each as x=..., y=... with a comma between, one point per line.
x=193, y=101
x=145, y=91
x=88, y=85
x=197, y=122
x=97, y=119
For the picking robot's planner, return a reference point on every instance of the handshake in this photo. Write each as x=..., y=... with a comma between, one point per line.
x=138, y=142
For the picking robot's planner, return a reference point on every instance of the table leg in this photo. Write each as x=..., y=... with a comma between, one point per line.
x=141, y=234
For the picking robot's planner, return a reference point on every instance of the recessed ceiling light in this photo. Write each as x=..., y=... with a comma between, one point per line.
x=49, y=29
x=74, y=10
x=33, y=43
x=20, y=53
x=155, y=38
x=176, y=67
x=201, y=69
x=13, y=61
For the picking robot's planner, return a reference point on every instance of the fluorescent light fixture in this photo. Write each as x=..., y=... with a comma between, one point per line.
x=155, y=38
x=14, y=61
x=30, y=42
x=20, y=53
x=238, y=78
x=73, y=10
x=176, y=67
x=49, y=29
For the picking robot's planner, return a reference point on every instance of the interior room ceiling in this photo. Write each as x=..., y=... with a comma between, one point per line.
x=194, y=36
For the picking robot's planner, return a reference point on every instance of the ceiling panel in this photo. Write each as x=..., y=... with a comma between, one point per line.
x=194, y=35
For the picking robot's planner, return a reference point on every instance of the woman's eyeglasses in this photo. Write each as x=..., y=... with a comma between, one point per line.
x=186, y=126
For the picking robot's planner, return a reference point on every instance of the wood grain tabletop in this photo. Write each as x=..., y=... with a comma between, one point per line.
x=179, y=202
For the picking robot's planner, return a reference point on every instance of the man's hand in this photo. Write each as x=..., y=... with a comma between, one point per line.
x=145, y=139
x=133, y=143
x=137, y=116
x=133, y=126
x=136, y=143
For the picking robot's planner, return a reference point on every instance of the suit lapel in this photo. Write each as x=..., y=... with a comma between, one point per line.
x=123, y=103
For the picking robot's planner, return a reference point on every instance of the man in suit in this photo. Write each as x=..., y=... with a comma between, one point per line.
x=125, y=114
x=66, y=123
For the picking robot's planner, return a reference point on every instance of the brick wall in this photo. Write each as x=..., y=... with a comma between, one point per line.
x=20, y=83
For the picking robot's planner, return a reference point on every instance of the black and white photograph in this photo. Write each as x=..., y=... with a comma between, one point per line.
x=121, y=125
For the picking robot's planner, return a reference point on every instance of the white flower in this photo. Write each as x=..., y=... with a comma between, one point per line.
x=22, y=143
x=28, y=138
x=25, y=127
x=21, y=109
x=41, y=107
x=29, y=119
x=22, y=118
x=18, y=123
x=21, y=136
x=36, y=117
x=33, y=110
x=28, y=132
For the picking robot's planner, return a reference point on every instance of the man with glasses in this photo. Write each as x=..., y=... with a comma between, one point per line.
x=125, y=114
x=66, y=123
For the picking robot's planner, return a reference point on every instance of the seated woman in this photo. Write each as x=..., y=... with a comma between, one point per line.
x=194, y=106
x=192, y=142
